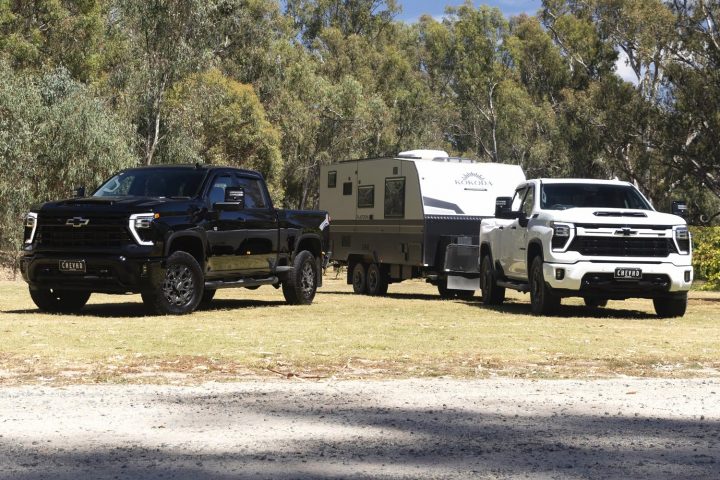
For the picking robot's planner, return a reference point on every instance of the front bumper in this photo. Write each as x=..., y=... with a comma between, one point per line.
x=597, y=279
x=104, y=273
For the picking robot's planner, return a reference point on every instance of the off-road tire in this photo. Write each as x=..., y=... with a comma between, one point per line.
x=300, y=283
x=492, y=294
x=451, y=293
x=59, y=301
x=180, y=289
x=359, y=278
x=543, y=301
x=669, y=307
x=592, y=302
x=376, y=281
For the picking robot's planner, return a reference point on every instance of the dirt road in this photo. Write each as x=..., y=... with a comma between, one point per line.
x=415, y=429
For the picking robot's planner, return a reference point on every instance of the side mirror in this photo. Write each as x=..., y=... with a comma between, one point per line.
x=502, y=206
x=679, y=208
x=79, y=192
x=234, y=199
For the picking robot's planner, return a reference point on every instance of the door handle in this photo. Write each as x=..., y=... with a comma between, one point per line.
x=513, y=228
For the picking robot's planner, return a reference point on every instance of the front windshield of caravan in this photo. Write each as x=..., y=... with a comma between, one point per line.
x=153, y=182
x=561, y=196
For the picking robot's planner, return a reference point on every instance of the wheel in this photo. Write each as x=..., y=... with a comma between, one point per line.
x=668, y=307
x=491, y=293
x=450, y=293
x=59, y=301
x=594, y=302
x=207, y=298
x=300, y=284
x=542, y=299
x=181, y=289
x=376, y=281
x=358, y=278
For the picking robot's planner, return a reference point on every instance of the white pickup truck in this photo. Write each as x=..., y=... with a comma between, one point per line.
x=595, y=239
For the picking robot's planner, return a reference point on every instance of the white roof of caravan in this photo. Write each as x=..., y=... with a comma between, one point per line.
x=423, y=154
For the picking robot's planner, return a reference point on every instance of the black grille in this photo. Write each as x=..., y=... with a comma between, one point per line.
x=99, y=232
x=623, y=246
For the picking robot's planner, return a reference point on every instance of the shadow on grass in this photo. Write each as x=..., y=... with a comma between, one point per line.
x=138, y=310
x=570, y=311
x=398, y=296
x=520, y=308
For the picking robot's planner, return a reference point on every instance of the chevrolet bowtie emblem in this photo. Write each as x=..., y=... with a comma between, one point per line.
x=625, y=231
x=77, y=222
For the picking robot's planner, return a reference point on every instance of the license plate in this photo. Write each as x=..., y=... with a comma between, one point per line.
x=628, y=273
x=72, y=266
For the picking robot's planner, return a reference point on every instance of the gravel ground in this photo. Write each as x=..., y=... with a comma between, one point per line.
x=415, y=429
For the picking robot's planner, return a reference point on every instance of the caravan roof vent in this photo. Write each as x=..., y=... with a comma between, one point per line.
x=424, y=154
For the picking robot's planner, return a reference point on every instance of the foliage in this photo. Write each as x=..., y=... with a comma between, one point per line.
x=54, y=136
x=214, y=119
x=706, y=256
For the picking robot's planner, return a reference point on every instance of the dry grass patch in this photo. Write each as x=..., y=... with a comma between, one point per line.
x=410, y=333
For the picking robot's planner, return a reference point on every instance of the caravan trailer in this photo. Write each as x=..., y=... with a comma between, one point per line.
x=413, y=216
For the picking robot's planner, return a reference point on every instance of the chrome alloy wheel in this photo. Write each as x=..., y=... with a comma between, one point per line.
x=179, y=285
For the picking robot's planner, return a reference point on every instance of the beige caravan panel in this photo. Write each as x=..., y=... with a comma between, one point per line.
x=341, y=199
x=373, y=173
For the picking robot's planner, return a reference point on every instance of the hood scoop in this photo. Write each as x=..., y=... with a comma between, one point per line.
x=620, y=214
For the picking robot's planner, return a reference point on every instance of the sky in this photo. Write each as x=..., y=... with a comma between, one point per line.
x=413, y=9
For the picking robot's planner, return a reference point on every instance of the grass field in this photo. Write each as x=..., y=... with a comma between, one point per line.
x=409, y=333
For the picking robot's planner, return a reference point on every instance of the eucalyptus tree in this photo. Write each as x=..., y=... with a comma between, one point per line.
x=55, y=135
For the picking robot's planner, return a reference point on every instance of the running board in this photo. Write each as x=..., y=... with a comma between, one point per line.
x=243, y=282
x=520, y=287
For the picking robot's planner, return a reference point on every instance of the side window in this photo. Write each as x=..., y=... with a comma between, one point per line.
x=217, y=191
x=529, y=202
x=395, y=197
x=254, y=193
x=332, y=179
x=366, y=196
x=518, y=198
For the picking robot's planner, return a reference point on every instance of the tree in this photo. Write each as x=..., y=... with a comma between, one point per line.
x=51, y=33
x=54, y=136
x=169, y=40
x=214, y=119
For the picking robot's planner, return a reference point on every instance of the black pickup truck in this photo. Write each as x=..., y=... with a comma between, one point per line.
x=175, y=234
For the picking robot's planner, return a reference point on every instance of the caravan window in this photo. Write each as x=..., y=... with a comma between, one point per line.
x=347, y=188
x=366, y=196
x=395, y=197
x=332, y=179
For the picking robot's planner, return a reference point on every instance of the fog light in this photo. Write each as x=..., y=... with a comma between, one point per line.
x=559, y=273
x=687, y=275
x=144, y=270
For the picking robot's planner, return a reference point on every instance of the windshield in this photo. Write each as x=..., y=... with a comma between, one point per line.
x=561, y=196
x=153, y=182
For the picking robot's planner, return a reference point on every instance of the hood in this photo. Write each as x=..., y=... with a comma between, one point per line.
x=616, y=216
x=105, y=205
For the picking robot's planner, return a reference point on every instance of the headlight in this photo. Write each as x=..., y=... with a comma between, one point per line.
x=140, y=226
x=682, y=239
x=30, y=222
x=563, y=233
